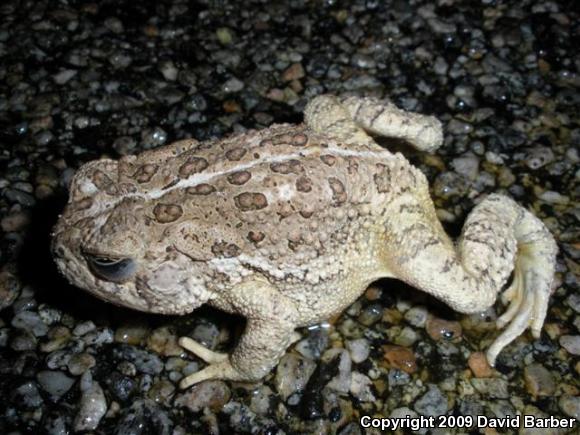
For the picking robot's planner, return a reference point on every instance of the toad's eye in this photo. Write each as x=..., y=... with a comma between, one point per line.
x=111, y=269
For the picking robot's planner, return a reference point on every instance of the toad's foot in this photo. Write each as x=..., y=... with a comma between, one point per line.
x=352, y=119
x=220, y=370
x=499, y=236
x=209, y=356
x=219, y=366
x=532, y=285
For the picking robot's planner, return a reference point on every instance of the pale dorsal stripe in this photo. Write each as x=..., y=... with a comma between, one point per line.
x=207, y=177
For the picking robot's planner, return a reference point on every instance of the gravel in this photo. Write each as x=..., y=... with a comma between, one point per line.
x=81, y=81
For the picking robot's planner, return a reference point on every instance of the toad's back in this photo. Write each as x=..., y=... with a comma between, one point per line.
x=278, y=198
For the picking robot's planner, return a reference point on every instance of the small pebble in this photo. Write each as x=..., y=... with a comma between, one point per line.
x=441, y=329
x=224, y=35
x=539, y=156
x=114, y=24
x=124, y=145
x=401, y=358
x=59, y=338
x=168, y=70
x=479, y=365
x=571, y=343
x=417, y=316
x=574, y=301
x=49, y=315
x=210, y=394
x=58, y=359
x=432, y=403
x=292, y=374
x=18, y=196
x=398, y=377
x=314, y=344
x=64, y=76
x=206, y=334
x=359, y=349
x=360, y=387
x=457, y=127
x=92, y=408
x=9, y=287
x=143, y=413
x=466, y=165
x=570, y=405
x=161, y=391
x=55, y=383
x=152, y=138
x=553, y=197
x=15, y=222
x=494, y=388
x=120, y=60
x=30, y=321
x=293, y=72
x=144, y=362
x=261, y=400
x=539, y=381
x=406, y=337
x=28, y=395
x=80, y=363
x=232, y=86
x=449, y=184
x=121, y=387
x=83, y=328
x=98, y=336
x=371, y=314
x=131, y=333
x=164, y=342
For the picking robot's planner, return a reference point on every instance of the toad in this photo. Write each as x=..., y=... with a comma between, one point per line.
x=287, y=226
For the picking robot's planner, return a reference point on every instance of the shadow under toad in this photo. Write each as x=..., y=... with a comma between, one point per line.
x=37, y=269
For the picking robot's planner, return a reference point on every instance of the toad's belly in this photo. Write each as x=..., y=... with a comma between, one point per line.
x=327, y=292
x=319, y=303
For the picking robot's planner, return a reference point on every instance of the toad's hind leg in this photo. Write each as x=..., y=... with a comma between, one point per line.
x=499, y=236
x=350, y=119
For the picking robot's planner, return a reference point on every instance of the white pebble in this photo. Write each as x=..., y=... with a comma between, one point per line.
x=554, y=197
x=359, y=349
x=93, y=407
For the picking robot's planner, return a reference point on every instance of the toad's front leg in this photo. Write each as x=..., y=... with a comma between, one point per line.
x=269, y=332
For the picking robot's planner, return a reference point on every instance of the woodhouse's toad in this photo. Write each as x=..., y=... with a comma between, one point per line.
x=288, y=226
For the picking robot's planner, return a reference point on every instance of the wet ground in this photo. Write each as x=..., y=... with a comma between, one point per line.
x=82, y=80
